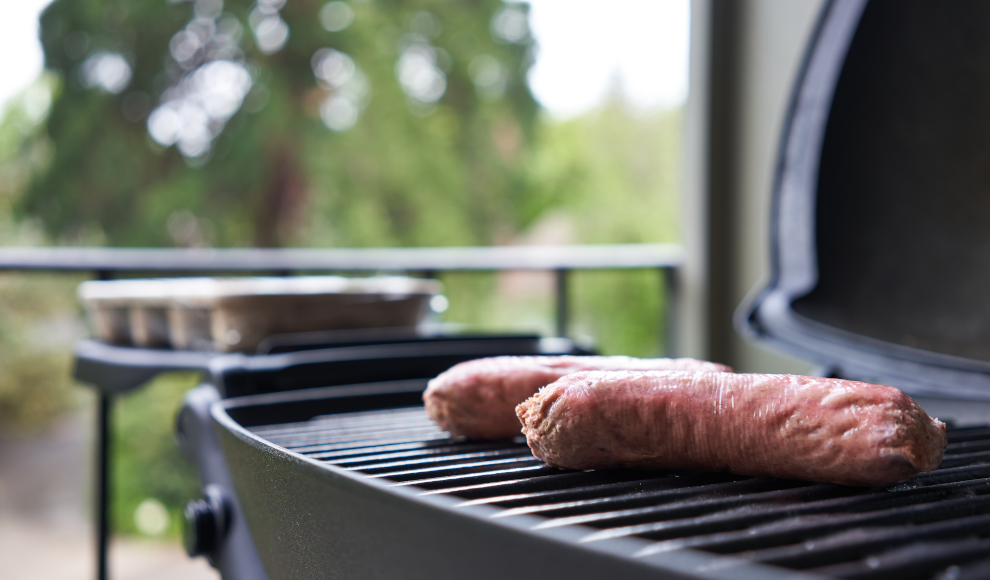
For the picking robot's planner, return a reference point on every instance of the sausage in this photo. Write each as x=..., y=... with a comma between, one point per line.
x=478, y=398
x=788, y=426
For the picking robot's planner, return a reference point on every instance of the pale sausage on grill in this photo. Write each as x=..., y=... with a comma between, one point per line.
x=478, y=398
x=787, y=426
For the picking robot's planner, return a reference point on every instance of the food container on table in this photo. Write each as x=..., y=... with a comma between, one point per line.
x=235, y=314
x=128, y=312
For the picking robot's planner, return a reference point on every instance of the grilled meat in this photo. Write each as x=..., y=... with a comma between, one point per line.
x=478, y=398
x=787, y=426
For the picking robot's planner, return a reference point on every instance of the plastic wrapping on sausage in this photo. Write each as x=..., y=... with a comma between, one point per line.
x=478, y=398
x=788, y=426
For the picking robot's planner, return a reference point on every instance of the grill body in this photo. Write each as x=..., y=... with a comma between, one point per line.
x=355, y=481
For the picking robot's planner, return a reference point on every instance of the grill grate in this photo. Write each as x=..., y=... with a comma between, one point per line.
x=932, y=526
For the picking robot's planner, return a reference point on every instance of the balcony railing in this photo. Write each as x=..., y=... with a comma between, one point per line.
x=107, y=263
x=110, y=263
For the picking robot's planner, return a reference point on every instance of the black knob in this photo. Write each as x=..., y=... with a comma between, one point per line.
x=201, y=528
x=207, y=521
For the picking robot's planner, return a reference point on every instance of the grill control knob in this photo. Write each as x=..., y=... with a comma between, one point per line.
x=206, y=523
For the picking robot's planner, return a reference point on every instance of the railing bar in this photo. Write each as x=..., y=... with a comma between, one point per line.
x=466, y=259
x=671, y=309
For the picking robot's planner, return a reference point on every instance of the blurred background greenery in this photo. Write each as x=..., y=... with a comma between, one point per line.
x=309, y=124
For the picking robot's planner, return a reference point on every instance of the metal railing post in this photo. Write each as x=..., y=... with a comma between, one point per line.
x=104, y=409
x=560, y=277
x=103, y=445
x=668, y=329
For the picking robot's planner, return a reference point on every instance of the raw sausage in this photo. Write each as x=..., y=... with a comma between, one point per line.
x=478, y=398
x=787, y=426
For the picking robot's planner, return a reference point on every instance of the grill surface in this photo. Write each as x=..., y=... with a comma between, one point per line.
x=932, y=526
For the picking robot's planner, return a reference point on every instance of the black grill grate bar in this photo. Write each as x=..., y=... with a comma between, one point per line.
x=849, y=499
x=436, y=459
x=732, y=492
x=967, y=447
x=913, y=562
x=383, y=416
x=965, y=459
x=491, y=476
x=371, y=415
x=763, y=505
x=958, y=434
x=861, y=542
x=760, y=513
x=807, y=527
x=371, y=455
x=477, y=487
x=463, y=467
x=356, y=427
x=370, y=442
x=288, y=434
x=942, y=476
x=555, y=481
x=643, y=481
x=324, y=436
x=365, y=423
x=347, y=452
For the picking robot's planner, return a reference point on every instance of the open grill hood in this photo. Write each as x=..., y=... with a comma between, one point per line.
x=881, y=209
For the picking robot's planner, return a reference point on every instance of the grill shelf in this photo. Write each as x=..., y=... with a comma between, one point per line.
x=932, y=526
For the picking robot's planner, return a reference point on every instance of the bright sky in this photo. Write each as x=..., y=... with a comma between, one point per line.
x=585, y=44
x=584, y=47
x=20, y=51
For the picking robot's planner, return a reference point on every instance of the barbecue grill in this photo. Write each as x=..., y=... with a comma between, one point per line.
x=356, y=482
x=877, y=254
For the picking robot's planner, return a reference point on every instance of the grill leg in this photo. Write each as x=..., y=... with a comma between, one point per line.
x=102, y=484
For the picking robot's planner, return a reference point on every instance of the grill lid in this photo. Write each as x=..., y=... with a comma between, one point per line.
x=880, y=237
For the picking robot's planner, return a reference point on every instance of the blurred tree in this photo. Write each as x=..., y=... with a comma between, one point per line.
x=370, y=122
x=357, y=123
x=38, y=325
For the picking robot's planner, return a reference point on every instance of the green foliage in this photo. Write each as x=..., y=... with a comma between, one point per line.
x=24, y=151
x=606, y=177
x=38, y=324
x=146, y=461
x=612, y=174
x=479, y=166
x=620, y=310
x=408, y=173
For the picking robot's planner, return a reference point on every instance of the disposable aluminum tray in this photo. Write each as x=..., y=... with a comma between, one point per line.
x=356, y=482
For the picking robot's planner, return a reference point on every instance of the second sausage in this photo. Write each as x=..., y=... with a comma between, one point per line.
x=786, y=426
